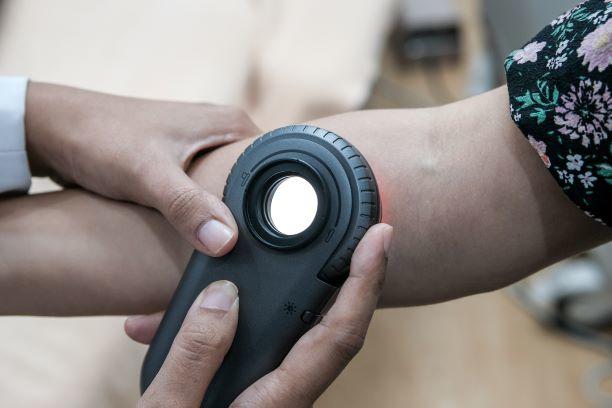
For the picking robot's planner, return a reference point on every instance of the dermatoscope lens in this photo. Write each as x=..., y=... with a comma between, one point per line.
x=291, y=205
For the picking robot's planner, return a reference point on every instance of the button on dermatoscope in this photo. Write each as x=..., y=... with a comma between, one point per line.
x=309, y=317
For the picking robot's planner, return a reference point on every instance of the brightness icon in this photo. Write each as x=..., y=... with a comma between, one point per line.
x=289, y=308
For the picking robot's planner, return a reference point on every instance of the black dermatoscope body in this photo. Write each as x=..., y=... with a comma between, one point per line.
x=285, y=281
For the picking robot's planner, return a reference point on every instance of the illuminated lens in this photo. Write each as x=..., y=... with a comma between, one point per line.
x=292, y=205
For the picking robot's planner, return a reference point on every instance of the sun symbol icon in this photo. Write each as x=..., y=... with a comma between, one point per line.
x=289, y=308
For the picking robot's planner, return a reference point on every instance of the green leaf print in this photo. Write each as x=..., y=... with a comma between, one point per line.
x=540, y=102
x=605, y=171
x=540, y=114
x=525, y=100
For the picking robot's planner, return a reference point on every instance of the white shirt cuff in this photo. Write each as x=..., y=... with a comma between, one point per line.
x=14, y=170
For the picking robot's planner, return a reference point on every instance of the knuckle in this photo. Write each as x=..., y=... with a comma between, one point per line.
x=182, y=202
x=346, y=344
x=198, y=342
x=300, y=393
x=280, y=388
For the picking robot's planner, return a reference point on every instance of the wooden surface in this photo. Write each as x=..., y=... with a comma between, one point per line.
x=482, y=351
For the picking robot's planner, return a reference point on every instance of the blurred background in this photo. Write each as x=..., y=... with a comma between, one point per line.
x=543, y=342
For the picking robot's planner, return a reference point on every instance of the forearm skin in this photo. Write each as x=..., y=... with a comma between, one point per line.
x=472, y=206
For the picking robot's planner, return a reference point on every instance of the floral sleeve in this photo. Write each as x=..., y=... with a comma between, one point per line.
x=559, y=86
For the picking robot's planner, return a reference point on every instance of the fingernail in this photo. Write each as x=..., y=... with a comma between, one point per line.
x=215, y=235
x=219, y=295
x=387, y=238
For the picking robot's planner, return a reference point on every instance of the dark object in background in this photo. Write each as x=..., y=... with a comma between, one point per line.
x=285, y=281
x=426, y=44
x=427, y=49
x=426, y=31
x=427, y=36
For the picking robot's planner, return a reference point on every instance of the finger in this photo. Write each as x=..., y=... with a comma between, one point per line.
x=198, y=349
x=358, y=297
x=322, y=353
x=200, y=217
x=142, y=328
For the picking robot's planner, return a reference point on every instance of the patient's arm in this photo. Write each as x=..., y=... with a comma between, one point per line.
x=472, y=206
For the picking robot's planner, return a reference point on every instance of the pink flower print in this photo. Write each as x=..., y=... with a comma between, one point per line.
x=562, y=18
x=566, y=177
x=556, y=62
x=574, y=162
x=596, y=48
x=528, y=53
x=585, y=112
x=587, y=179
x=562, y=46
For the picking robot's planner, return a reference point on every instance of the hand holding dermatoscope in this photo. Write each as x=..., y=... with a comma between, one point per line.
x=285, y=278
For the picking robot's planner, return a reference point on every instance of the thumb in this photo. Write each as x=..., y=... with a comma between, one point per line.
x=200, y=217
x=198, y=349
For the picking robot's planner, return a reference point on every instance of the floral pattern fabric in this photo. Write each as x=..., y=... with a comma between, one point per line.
x=560, y=97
